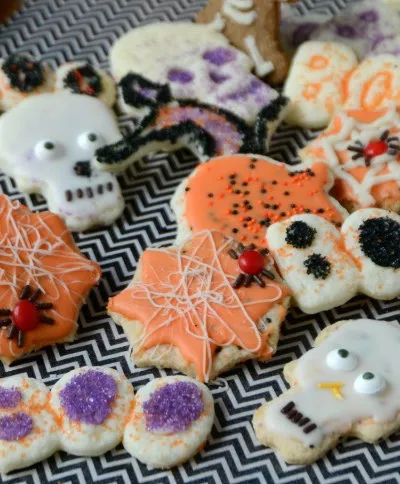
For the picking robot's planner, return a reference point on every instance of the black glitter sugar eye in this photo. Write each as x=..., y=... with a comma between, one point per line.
x=23, y=74
x=300, y=235
x=317, y=266
x=380, y=241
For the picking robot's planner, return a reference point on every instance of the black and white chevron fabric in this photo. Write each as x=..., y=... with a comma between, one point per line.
x=64, y=30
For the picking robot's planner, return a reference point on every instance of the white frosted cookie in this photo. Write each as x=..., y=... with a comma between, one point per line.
x=22, y=77
x=314, y=83
x=197, y=62
x=346, y=386
x=372, y=237
x=47, y=143
x=28, y=427
x=92, y=404
x=171, y=421
x=308, y=251
x=83, y=78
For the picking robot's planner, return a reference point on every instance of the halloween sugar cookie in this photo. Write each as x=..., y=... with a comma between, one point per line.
x=362, y=148
x=44, y=280
x=315, y=82
x=346, y=386
x=47, y=143
x=92, y=404
x=22, y=77
x=242, y=195
x=202, y=306
x=170, y=422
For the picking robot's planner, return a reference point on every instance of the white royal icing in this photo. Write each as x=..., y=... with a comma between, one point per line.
x=262, y=66
x=336, y=400
x=239, y=11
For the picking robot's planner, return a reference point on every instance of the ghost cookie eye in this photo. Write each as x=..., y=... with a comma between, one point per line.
x=342, y=360
x=300, y=235
x=23, y=74
x=369, y=383
x=90, y=140
x=318, y=266
x=47, y=150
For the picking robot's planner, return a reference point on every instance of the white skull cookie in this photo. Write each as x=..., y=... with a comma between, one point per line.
x=347, y=385
x=47, y=143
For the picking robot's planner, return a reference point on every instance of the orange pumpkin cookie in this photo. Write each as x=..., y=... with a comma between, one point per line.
x=242, y=195
x=43, y=280
x=362, y=148
x=202, y=307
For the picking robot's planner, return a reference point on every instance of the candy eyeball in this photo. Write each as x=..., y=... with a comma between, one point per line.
x=46, y=150
x=342, y=360
x=369, y=383
x=90, y=140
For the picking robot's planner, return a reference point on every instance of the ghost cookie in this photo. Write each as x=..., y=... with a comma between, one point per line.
x=92, y=405
x=47, y=143
x=242, y=195
x=83, y=78
x=361, y=147
x=346, y=386
x=44, y=280
x=309, y=253
x=202, y=306
x=315, y=82
x=371, y=236
x=22, y=77
x=170, y=423
x=28, y=427
x=197, y=62
x=166, y=124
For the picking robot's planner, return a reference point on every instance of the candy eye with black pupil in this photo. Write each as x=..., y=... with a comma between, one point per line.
x=49, y=145
x=47, y=150
x=92, y=137
x=369, y=383
x=90, y=140
x=341, y=359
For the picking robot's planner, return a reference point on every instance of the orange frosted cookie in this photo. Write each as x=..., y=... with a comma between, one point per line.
x=361, y=147
x=203, y=306
x=43, y=280
x=242, y=195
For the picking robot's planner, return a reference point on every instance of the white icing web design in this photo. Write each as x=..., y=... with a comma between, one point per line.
x=197, y=292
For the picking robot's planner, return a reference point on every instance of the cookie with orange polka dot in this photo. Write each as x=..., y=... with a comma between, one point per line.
x=241, y=195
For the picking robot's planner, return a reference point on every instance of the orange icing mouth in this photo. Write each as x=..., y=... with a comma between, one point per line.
x=185, y=299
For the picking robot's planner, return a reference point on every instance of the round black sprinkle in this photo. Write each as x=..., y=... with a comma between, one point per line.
x=283, y=214
x=210, y=195
x=318, y=266
x=274, y=207
x=233, y=182
x=321, y=210
x=232, y=175
x=246, y=192
x=234, y=212
x=267, y=205
x=379, y=240
x=245, y=225
x=307, y=210
x=250, y=207
x=245, y=184
x=23, y=74
x=248, y=219
x=286, y=193
x=263, y=190
x=187, y=189
x=235, y=205
x=274, y=182
x=237, y=192
x=235, y=230
x=252, y=166
x=300, y=235
x=292, y=205
x=343, y=353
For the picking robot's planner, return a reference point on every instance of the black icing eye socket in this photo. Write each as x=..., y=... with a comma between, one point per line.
x=369, y=383
x=300, y=235
x=318, y=266
x=379, y=240
x=23, y=74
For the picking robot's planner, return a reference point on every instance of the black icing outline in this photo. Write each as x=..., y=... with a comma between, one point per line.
x=92, y=77
x=31, y=79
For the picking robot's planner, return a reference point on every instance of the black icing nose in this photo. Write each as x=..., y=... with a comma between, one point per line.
x=83, y=168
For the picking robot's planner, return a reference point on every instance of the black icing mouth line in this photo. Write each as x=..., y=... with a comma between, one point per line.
x=88, y=192
x=290, y=412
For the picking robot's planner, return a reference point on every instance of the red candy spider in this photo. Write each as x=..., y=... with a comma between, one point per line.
x=376, y=147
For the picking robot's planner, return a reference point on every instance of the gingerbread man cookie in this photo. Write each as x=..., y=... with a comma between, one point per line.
x=346, y=386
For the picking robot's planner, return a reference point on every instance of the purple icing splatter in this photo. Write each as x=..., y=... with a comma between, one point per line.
x=180, y=76
x=15, y=426
x=346, y=31
x=219, y=56
x=218, y=78
x=88, y=397
x=173, y=407
x=245, y=91
x=369, y=16
x=9, y=397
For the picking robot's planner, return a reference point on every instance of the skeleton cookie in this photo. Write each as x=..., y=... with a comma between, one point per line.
x=197, y=62
x=47, y=143
x=347, y=385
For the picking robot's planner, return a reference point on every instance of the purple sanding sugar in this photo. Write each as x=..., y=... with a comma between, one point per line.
x=88, y=397
x=9, y=397
x=219, y=56
x=180, y=76
x=173, y=407
x=15, y=426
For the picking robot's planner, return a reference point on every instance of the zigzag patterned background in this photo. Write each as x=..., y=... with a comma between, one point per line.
x=63, y=30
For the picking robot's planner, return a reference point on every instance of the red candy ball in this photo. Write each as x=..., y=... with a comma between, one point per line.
x=375, y=148
x=251, y=262
x=25, y=315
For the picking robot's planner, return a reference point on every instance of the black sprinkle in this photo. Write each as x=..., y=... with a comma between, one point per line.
x=300, y=235
x=210, y=195
x=235, y=230
x=379, y=240
x=318, y=266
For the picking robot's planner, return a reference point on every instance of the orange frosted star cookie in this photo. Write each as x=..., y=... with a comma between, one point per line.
x=43, y=280
x=242, y=195
x=362, y=148
x=203, y=306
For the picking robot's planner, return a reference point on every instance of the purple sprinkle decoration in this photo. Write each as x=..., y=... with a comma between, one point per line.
x=173, y=407
x=369, y=16
x=9, y=397
x=180, y=76
x=346, y=31
x=219, y=56
x=15, y=426
x=88, y=397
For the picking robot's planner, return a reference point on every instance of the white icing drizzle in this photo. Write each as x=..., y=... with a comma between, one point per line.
x=218, y=24
x=262, y=66
x=239, y=11
x=376, y=345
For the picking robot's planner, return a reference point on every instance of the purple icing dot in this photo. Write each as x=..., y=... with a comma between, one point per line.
x=88, y=397
x=180, y=76
x=369, y=16
x=173, y=407
x=9, y=397
x=218, y=78
x=219, y=56
x=15, y=426
x=346, y=31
